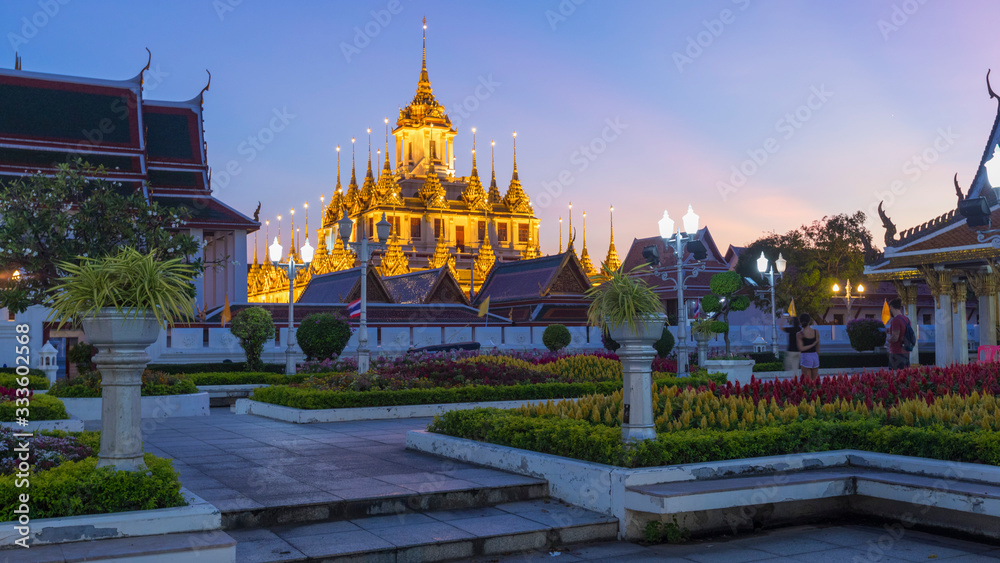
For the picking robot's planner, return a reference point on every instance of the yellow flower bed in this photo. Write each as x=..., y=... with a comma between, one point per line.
x=680, y=409
x=584, y=368
x=499, y=360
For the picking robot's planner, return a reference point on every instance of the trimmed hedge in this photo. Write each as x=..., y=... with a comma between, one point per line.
x=13, y=370
x=80, y=487
x=35, y=382
x=865, y=360
x=40, y=407
x=244, y=378
x=600, y=443
x=303, y=398
x=769, y=366
x=153, y=384
x=221, y=367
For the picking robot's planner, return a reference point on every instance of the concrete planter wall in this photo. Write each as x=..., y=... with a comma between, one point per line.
x=161, y=406
x=735, y=370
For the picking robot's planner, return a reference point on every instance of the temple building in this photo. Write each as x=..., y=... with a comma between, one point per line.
x=956, y=255
x=438, y=219
x=155, y=147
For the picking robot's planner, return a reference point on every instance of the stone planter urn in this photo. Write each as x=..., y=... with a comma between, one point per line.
x=735, y=370
x=702, y=340
x=637, y=355
x=121, y=342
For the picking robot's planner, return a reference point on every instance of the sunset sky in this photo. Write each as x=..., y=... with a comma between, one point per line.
x=644, y=105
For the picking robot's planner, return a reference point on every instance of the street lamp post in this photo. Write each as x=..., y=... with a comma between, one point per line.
x=276, y=252
x=363, y=247
x=762, y=267
x=849, y=296
x=679, y=240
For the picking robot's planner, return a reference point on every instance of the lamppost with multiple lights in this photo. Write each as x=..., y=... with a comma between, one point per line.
x=849, y=296
x=306, y=252
x=680, y=241
x=363, y=248
x=762, y=267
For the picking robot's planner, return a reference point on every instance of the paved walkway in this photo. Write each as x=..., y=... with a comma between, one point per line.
x=802, y=544
x=240, y=462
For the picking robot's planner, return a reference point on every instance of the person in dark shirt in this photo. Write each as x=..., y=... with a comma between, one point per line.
x=808, y=341
x=899, y=357
x=792, y=350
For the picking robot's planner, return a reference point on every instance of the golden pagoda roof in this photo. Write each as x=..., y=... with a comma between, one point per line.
x=424, y=109
x=387, y=190
x=352, y=199
x=394, y=262
x=485, y=259
x=588, y=266
x=474, y=195
x=494, y=194
x=612, y=262
x=442, y=255
x=432, y=192
x=367, y=197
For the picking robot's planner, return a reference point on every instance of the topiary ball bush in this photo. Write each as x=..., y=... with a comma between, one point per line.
x=323, y=335
x=556, y=337
x=253, y=326
x=866, y=334
x=665, y=344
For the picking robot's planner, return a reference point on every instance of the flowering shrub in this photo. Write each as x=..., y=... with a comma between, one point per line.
x=42, y=407
x=8, y=394
x=585, y=368
x=45, y=452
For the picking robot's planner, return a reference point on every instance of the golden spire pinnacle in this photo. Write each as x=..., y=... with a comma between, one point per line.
x=560, y=235
x=569, y=230
x=588, y=266
x=474, y=195
x=442, y=256
x=432, y=192
x=256, y=264
x=368, y=197
x=394, y=262
x=279, y=229
x=515, y=199
x=387, y=189
x=351, y=199
x=612, y=262
x=494, y=195
x=425, y=95
x=17, y=61
x=293, y=253
x=333, y=211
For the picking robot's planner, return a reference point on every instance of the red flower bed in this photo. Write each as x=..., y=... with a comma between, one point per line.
x=882, y=387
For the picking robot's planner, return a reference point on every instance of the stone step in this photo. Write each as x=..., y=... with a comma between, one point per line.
x=203, y=547
x=426, y=536
x=299, y=512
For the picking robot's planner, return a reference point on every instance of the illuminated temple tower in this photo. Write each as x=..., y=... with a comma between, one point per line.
x=437, y=218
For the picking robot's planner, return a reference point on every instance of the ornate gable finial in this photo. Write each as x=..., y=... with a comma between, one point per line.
x=494, y=195
x=588, y=266
x=515, y=199
x=17, y=61
x=368, y=197
x=989, y=87
x=351, y=200
x=890, y=229
x=474, y=195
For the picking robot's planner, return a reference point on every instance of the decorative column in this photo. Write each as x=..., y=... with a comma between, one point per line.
x=959, y=323
x=911, y=312
x=984, y=285
x=941, y=288
x=47, y=361
x=637, y=355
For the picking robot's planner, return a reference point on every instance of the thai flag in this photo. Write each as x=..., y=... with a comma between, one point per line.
x=354, y=308
x=696, y=310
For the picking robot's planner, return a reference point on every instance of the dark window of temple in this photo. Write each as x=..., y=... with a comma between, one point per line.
x=437, y=229
x=415, y=228
x=371, y=227
x=522, y=232
x=502, y=232
x=481, y=231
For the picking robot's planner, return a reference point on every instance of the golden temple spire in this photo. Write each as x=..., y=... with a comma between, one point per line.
x=293, y=253
x=569, y=231
x=442, y=256
x=256, y=264
x=612, y=262
x=279, y=229
x=333, y=211
x=351, y=199
x=494, y=195
x=515, y=199
x=17, y=61
x=485, y=259
x=588, y=266
x=368, y=197
x=474, y=195
x=432, y=192
x=425, y=95
x=560, y=235
x=394, y=262
x=387, y=189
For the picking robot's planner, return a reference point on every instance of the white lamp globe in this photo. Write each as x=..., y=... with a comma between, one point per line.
x=666, y=225
x=762, y=263
x=690, y=221
x=307, y=252
x=780, y=263
x=275, y=251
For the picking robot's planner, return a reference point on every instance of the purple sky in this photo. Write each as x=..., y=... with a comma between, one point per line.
x=891, y=84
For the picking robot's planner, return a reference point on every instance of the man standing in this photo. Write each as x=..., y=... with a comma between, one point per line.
x=899, y=357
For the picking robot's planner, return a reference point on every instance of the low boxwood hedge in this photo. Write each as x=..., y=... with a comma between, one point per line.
x=6, y=370
x=601, y=443
x=40, y=407
x=35, y=382
x=153, y=384
x=80, y=487
x=220, y=367
x=244, y=378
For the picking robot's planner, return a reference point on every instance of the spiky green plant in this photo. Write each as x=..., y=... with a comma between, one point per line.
x=129, y=281
x=622, y=299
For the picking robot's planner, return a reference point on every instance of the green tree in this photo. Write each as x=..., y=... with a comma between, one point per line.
x=323, y=335
x=47, y=220
x=723, y=298
x=556, y=337
x=254, y=326
x=820, y=254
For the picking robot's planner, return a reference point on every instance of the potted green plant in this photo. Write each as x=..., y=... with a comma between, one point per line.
x=121, y=301
x=703, y=330
x=632, y=313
